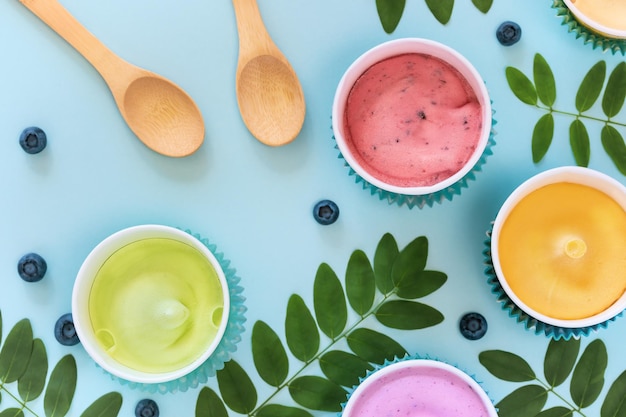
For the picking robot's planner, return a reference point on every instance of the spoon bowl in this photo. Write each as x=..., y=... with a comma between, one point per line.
x=269, y=94
x=159, y=112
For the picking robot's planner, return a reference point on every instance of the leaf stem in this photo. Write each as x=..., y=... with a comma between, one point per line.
x=17, y=400
x=580, y=116
x=317, y=356
x=550, y=388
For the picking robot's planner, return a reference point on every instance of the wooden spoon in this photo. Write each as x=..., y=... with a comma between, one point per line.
x=159, y=112
x=269, y=94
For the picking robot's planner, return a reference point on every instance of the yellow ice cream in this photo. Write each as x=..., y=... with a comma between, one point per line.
x=609, y=13
x=563, y=251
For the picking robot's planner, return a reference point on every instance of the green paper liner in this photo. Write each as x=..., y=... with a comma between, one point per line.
x=529, y=322
x=224, y=350
x=427, y=199
x=595, y=39
x=408, y=357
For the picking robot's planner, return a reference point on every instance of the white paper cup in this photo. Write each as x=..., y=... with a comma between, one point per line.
x=594, y=25
x=391, y=49
x=419, y=387
x=569, y=174
x=84, y=285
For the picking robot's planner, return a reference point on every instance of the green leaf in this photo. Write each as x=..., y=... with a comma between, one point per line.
x=441, y=9
x=236, y=387
x=373, y=346
x=32, y=382
x=556, y=412
x=506, y=366
x=317, y=393
x=106, y=406
x=542, y=137
x=360, y=283
x=61, y=388
x=209, y=404
x=390, y=13
x=588, y=377
x=408, y=315
x=483, y=5
x=523, y=402
x=269, y=355
x=329, y=302
x=275, y=410
x=544, y=80
x=301, y=332
x=384, y=258
x=344, y=368
x=579, y=142
x=410, y=261
x=591, y=87
x=421, y=284
x=614, y=404
x=615, y=91
x=12, y=412
x=614, y=146
x=15, y=352
x=521, y=86
x=560, y=360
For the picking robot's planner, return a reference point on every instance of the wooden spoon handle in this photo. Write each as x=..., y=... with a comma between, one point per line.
x=254, y=39
x=63, y=23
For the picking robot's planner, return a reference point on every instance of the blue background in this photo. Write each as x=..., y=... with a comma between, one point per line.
x=254, y=201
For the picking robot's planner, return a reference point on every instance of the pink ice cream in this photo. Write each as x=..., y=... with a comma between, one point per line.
x=412, y=120
x=422, y=391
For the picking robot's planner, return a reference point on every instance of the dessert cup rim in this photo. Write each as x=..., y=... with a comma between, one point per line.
x=572, y=174
x=422, y=363
x=84, y=280
x=593, y=24
x=397, y=47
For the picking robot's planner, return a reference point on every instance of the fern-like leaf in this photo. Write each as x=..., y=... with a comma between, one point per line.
x=360, y=283
x=544, y=80
x=209, y=404
x=269, y=355
x=61, y=388
x=441, y=9
x=588, y=377
x=559, y=361
x=329, y=302
x=390, y=13
x=523, y=402
x=236, y=387
x=303, y=338
x=591, y=87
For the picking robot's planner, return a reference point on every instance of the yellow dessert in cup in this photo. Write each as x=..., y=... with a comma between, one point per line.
x=559, y=247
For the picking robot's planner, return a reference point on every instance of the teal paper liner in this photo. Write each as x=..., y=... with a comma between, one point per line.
x=406, y=358
x=428, y=199
x=225, y=348
x=529, y=322
x=596, y=40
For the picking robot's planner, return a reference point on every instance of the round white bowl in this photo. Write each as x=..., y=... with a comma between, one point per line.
x=452, y=379
x=594, y=25
x=399, y=47
x=570, y=174
x=83, y=286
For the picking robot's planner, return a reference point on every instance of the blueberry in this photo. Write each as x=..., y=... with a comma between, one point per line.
x=33, y=140
x=64, y=330
x=473, y=326
x=31, y=267
x=147, y=408
x=326, y=212
x=509, y=33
